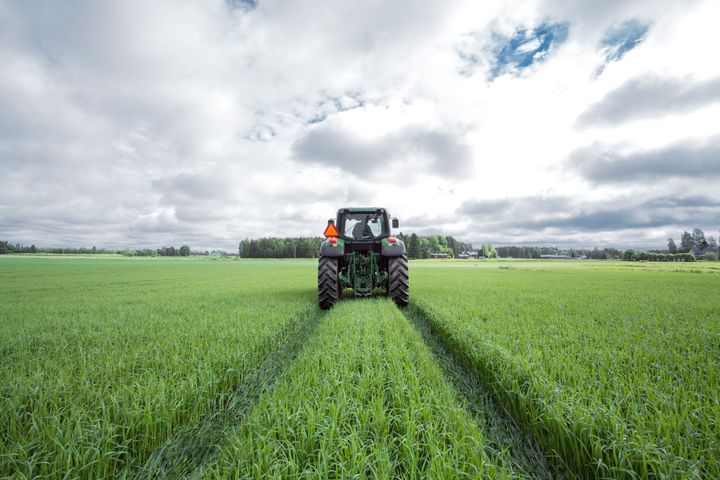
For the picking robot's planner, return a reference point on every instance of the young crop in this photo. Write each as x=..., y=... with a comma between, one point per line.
x=103, y=359
x=614, y=371
x=164, y=368
x=364, y=399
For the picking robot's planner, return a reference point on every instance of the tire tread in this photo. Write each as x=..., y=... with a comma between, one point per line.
x=328, y=284
x=399, y=280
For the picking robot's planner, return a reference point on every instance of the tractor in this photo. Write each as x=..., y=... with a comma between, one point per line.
x=360, y=253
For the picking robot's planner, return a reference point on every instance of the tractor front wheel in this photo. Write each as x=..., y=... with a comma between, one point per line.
x=399, y=280
x=328, y=282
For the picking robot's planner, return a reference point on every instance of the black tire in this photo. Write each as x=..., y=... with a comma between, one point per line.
x=328, y=282
x=399, y=280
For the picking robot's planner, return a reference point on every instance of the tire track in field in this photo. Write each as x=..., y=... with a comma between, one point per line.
x=502, y=434
x=193, y=447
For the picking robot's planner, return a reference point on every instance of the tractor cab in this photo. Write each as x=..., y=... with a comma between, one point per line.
x=363, y=224
x=360, y=253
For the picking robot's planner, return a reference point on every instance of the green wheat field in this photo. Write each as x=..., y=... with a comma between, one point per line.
x=223, y=368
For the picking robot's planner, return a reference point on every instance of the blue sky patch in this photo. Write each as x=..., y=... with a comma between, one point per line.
x=242, y=4
x=526, y=47
x=622, y=38
x=335, y=104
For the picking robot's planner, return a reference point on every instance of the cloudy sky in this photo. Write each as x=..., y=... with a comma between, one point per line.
x=548, y=122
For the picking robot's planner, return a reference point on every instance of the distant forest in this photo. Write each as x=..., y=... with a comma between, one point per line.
x=267, y=247
x=694, y=245
x=536, y=252
x=183, y=251
x=308, y=247
x=417, y=247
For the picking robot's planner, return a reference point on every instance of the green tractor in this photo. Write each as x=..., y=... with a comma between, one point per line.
x=360, y=253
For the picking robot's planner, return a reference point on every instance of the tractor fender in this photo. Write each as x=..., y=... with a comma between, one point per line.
x=393, y=249
x=329, y=250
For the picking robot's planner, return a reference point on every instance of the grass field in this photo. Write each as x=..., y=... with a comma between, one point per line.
x=164, y=368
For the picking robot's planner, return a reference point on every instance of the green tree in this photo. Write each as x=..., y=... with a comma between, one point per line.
x=712, y=244
x=701, y=244
x=435, y=243
x=698, y=237
x=184, y=251
x=425, y=248
x=414, y=247
x=686, y=243
x=453, y=245
x=672, y=248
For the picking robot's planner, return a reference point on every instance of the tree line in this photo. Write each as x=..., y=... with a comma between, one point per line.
x=694, y=243
x=631, y=255
x=280, y=247
x=9, y=247
x=423, y=246
x=184, y=251
x=308, y=247
x=536, y=252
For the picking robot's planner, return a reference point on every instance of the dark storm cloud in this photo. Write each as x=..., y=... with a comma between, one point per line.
x=440, y=152
x=650, y=96
x=691, y=159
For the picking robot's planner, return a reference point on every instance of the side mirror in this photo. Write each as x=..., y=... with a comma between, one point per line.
x=395, y=223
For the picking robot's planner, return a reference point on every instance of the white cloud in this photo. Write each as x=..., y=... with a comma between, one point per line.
x=136, y=123
x=529, y=46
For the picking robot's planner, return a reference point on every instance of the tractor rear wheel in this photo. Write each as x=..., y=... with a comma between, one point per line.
x=328, y=282
x=399, y=280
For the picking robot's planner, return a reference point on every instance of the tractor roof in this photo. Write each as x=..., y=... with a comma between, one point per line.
x=361, y=209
